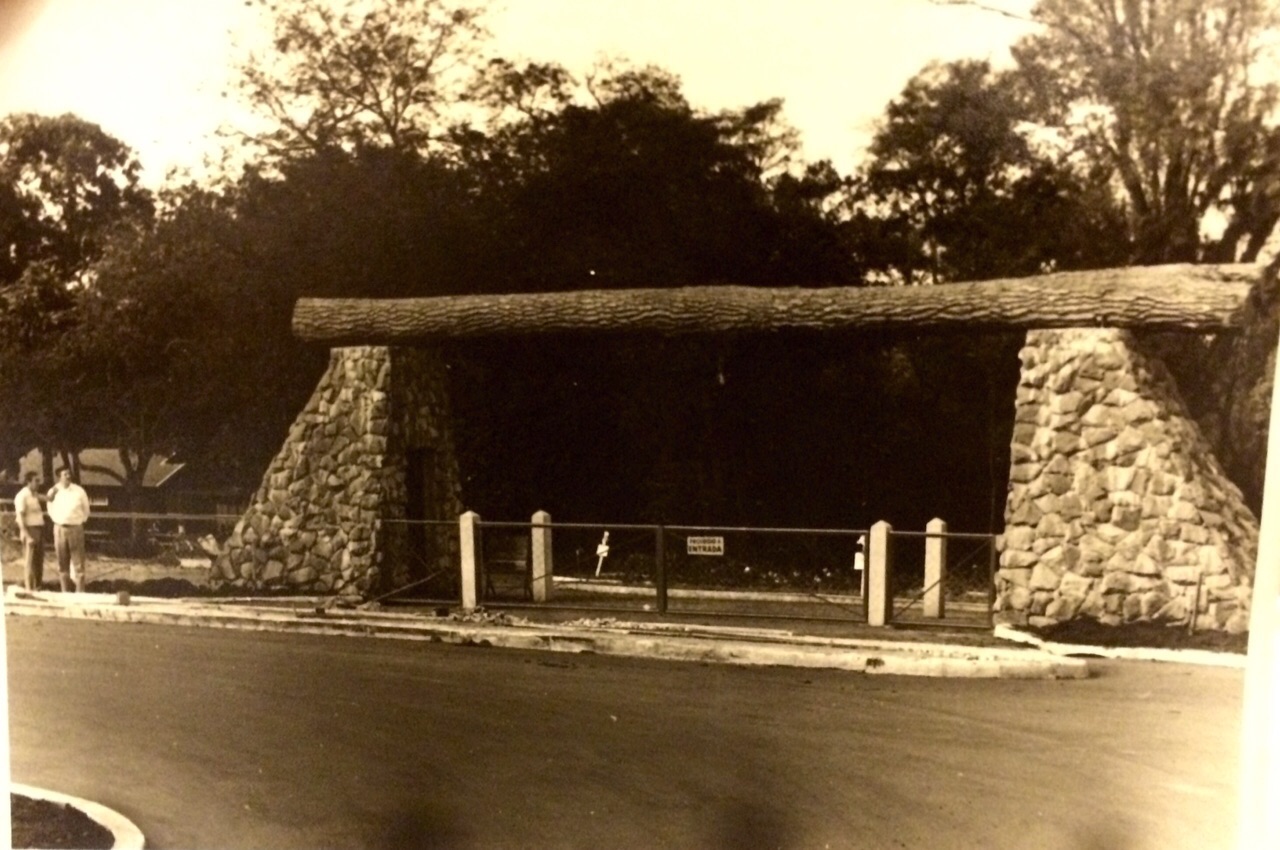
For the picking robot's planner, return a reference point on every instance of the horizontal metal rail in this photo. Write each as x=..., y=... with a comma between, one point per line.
x=442, y=523
x=155, y=516
x=654, y=527
x=767, y=530
x=958, y=535
x=488, y=523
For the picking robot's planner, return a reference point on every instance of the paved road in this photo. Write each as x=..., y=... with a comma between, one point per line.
x=210, y=739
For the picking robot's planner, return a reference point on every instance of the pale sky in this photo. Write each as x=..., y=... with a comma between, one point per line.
x=152, y=72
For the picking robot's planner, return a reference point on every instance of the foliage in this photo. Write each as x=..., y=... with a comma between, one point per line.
x=789, y=429
x=956, y=184
x=380, y=223
x=153, y=345
x=185, y=341
x=65, y=187
x=175, y=343
x=64, y=184
x=359, y=74
x=1167, y=95
x=631, y=186
x=33, y=321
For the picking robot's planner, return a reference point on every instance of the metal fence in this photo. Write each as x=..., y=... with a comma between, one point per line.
x=762, y=573
x=608, y=568
x=422, y=561
x=614, y=568
x=960, y=588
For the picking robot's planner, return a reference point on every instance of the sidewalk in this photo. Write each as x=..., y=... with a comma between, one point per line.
x=748, y=645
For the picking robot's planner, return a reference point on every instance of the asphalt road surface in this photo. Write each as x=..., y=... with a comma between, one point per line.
x=213, y=739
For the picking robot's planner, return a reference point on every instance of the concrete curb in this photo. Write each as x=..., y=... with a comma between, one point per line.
x=1201, y=657
x=126, y=834
x=667, y=641
x=612, y=587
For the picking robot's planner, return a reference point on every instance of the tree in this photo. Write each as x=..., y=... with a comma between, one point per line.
x=1167, y=95
x=361, y=73
x=1253, y=198
x=35, y=315
x=181, y=341
x=956, y=184
x=626, y=184
x=531, y=91
x=380, y=222
x=64, y=185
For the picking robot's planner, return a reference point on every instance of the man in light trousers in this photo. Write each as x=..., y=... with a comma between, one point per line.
x=69, y=509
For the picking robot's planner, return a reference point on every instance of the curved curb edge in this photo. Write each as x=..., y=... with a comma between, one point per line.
x=126, y=834
x=876, y=657
x=1202, y=657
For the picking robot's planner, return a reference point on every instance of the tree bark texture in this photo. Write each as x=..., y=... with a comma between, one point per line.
x=1193, y=298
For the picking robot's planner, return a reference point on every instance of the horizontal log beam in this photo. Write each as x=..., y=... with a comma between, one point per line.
x=1191, y=298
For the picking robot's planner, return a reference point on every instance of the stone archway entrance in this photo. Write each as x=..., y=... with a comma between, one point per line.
x=1116, y=504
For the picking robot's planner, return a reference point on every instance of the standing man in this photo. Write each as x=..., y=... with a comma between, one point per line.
x=29, y=513
x=69, y=508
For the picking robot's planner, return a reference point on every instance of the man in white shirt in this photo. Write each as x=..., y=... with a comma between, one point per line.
x=29, y=513
x=69, y=508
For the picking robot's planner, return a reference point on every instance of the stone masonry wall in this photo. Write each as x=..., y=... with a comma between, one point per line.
x=324, y=518
x=420, y=421
x=1117, y=509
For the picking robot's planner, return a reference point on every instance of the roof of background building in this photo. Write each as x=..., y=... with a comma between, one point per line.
x=159, y=470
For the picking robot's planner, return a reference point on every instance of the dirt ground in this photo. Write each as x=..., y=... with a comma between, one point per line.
x=40, y=823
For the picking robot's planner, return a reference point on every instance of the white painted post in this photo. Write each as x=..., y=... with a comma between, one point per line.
x=540, y=557
x=935, y=569
x=879, y=575
x=1260, y=734
x=469, y=550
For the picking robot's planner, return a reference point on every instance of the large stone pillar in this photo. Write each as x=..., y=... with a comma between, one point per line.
x=329, y=515
x=1117, y=509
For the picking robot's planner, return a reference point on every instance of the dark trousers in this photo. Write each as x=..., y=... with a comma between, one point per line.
x=33, y=558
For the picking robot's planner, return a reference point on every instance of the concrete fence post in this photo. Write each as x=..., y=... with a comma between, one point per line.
x=935, y=569
x=469, y=551
x=540, y=557
x=880, y=575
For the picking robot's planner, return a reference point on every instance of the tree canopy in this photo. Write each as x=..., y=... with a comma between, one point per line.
x=64, y=184
x=634, y=187
x=964, y=193
x=66, y=189
x=1172, y=95
x=361, y=73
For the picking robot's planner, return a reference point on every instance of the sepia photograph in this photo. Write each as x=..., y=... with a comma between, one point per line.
x=722, y=424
